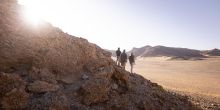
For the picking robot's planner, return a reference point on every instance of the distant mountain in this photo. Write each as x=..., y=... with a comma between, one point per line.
x=140, y=51
x=214, y=52
x=148, y=51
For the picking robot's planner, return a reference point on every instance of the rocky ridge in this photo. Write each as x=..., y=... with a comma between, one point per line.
x=174, y=53
x=42, y=68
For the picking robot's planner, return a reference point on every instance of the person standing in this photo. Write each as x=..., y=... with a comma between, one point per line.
x=123, y=59
x=131, y=61
x=118, y=54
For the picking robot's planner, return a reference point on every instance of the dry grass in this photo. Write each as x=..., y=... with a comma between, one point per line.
x=194, y=77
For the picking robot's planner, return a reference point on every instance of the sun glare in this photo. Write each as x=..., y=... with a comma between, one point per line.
x=32, y=13
x=52, y=11
x=33, y=16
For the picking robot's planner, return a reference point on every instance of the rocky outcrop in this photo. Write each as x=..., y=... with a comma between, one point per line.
x=42, y=68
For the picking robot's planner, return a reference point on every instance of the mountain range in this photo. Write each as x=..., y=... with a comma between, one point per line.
x=173, y=52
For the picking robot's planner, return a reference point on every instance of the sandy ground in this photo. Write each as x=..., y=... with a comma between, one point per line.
x=198, y=78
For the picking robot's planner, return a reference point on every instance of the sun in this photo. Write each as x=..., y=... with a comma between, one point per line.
x=32, y=13
x=33, y=16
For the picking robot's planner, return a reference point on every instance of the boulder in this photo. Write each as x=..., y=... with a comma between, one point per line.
x=42, y=75
x=41, y=87
x=95, y=90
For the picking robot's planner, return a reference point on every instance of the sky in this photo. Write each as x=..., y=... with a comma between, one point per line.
x=111, y=24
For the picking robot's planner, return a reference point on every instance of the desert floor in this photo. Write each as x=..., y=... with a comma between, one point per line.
x=201, y=77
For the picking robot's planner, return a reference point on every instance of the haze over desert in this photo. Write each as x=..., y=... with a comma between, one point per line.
x=196, y=77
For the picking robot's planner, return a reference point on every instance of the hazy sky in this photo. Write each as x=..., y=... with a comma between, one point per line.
x=134, y=23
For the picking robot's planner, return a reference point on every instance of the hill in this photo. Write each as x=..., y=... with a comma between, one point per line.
x=140, y=51
x=42, y=68
x=148, y=51
x=214, y=52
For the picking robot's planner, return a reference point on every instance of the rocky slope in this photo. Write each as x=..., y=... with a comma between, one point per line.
x=148, y=51
x=42, y=68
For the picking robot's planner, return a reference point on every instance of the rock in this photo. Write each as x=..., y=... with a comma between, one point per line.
x=42, y=86
x=50, y=101
x=16, y=99
x=114, y=86
x=9, y=82
x=42, y=74
x=95, y=91
x=121, y=78
x=97, y=65
x=85, y=77
x=69, y=79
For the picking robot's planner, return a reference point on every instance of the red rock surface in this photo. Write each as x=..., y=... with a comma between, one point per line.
x=45, y=69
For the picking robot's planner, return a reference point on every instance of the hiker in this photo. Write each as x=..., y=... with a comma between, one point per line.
x=123, y=59
x=131, y=61
x=118, y=54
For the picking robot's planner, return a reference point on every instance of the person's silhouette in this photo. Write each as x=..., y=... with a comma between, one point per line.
x=123, y=59
x=131, y=61
x=118, y=54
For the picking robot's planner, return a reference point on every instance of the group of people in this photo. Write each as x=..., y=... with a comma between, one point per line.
x=122, y=59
